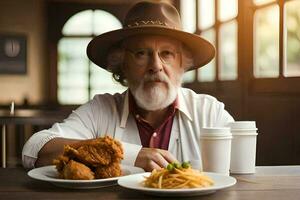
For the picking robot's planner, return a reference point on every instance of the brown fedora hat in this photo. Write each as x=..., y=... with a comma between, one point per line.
x=151, y=18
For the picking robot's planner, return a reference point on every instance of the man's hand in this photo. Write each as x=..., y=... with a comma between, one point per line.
x=52, y=150
x=151, y=158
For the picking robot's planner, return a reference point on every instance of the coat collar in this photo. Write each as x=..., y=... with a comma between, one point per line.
x=183, y=104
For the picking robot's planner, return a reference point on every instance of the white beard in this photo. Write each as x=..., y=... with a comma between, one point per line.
x=157, y=97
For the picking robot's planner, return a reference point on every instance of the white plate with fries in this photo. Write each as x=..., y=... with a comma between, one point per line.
x=50, y=174
x=137, y=182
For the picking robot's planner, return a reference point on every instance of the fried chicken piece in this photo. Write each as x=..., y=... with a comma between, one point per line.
x=97, y=152
x=108, y=171
x=77, y=171
x=60, y=164
x=88, y=159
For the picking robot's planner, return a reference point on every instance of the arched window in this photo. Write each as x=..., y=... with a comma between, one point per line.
x=78, y=78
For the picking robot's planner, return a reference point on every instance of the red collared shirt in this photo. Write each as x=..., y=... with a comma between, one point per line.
x=151, y=137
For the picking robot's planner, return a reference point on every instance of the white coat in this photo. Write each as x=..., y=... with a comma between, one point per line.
x=109, y=114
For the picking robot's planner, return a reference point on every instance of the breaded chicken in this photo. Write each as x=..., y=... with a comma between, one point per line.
x=100, y=151
x=101, y=155
x=77, y=171
x=108, y=171
x=60, y=163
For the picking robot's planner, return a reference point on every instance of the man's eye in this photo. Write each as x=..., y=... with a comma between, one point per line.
x=167, y=53
x=141, y=53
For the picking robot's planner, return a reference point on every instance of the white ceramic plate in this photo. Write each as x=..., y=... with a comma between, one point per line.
x=134, y=182
x=50, y=174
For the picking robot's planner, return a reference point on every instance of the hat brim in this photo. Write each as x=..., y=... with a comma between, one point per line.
x=203, y=51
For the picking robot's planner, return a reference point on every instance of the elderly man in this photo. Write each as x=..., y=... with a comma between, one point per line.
x=156, y=120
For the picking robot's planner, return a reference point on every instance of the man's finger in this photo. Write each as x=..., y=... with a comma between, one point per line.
x=160, y=160
x=153, y=165
x=168, y=156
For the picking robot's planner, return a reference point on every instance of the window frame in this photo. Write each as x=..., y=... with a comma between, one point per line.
x=278, y=85
x=216, y=26
x=245, y=59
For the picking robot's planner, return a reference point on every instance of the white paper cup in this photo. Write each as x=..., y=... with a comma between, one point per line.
x=215, y=147
x=243, y=147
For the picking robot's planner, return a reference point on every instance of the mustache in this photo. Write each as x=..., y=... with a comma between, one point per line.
x=155, y=77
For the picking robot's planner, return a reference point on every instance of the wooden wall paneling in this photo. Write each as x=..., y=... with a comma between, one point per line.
x=295, y=128
x=275, y=141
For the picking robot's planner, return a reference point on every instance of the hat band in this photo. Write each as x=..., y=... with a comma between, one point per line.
x=149, y=23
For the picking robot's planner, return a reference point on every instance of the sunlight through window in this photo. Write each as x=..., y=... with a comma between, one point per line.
x=262, y=2
x=266, y=42
x=101, y=24
x=78, y=79
x=207, y=73
x=188, y=15
x=206, y=14
x=292, y=51
x=79, y=24
x=228, y=51
x=228, y=9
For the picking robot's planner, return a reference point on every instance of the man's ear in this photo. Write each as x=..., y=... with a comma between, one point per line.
x=115, y=58
x=123, y=68
x=187, y=60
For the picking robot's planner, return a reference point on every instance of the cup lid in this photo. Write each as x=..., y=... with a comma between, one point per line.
x=215, y=132
x=243, y=125
x=216, y=137
x=244, y=132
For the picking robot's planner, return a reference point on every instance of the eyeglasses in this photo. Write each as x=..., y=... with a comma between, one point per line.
x=142, y=56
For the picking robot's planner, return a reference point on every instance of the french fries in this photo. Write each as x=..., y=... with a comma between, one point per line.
x=176, y=177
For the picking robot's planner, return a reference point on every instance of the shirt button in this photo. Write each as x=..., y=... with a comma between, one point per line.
x=154, y=134
x=137, y=116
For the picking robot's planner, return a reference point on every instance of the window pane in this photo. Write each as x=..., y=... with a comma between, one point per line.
x=228, y=9
x=104, y=22
x=72, y=95
x=206, y=14
x=72, y=55
x=79, y=24
x=228, y=51
x=72, y=70
x=293, y=39
x=208, y=72
x=266, y=42
x=261, y=2
x=188, y=15
x=66, y=80
x=102, y=82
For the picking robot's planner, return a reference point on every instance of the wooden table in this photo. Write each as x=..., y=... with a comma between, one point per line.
x=269, y=183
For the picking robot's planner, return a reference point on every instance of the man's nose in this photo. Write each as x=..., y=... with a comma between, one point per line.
x=155, y=64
